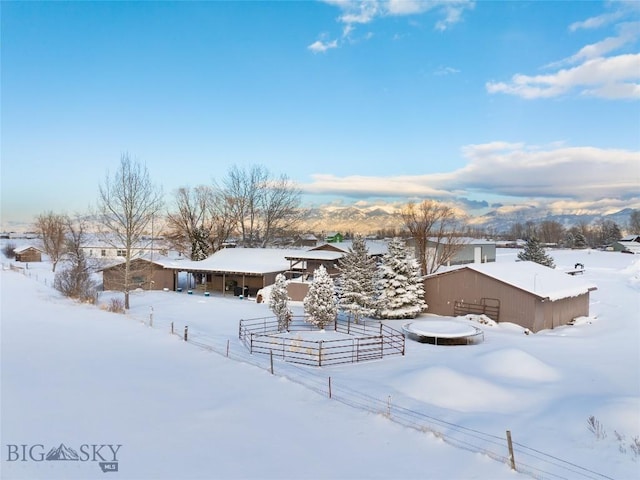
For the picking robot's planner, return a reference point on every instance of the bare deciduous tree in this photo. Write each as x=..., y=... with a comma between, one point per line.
x=435, y=228
x=551, y=231
x=52, y=228
x=260, y=205
x=76, y=280
x=279, y=208
x=242, y=188
x=634, y=223
x=128, y=201
x=201, y=222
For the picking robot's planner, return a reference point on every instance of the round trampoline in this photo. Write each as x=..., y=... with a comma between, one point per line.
x=443, y=332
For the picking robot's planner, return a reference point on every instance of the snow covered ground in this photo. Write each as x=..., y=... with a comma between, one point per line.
x=77, y=375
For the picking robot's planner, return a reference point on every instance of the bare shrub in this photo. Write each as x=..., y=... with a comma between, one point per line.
x=9, y=250
x=74, y=283
x=595, y=427
x=115, y=305
x=635, y=446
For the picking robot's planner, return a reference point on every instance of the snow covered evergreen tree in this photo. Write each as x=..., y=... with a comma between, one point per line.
x=320, y=303
x=200, y=246
x=580, y=241
x=357, y=292
x=279, y=302
x=534, y=252
x=400, y=283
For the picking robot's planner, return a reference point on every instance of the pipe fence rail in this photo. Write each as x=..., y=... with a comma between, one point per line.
x=366, y=343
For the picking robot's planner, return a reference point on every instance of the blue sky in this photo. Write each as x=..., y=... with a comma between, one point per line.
x=478, y=103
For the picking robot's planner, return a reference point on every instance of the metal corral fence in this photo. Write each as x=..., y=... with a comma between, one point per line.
x=366, y=342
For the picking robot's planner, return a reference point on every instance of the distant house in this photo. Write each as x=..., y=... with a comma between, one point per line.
x=28, y=253
x=97, y=247
x=306, y=240
x=468, y=250
x=471, y=250
x=628, y=244
x=525, y=293
x=333, y=237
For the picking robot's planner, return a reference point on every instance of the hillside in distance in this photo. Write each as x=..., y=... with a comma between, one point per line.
x=371, y=219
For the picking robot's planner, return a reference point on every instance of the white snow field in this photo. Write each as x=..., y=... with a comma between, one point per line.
x=123, y=394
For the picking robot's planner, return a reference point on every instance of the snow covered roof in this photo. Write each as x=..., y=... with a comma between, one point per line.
x=316, y=255
x=463, y=241
x=630, y=238
x=534, y=278
x=374, y=247
x=24, y=248
x=240, y=260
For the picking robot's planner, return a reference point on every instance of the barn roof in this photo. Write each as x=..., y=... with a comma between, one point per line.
x=534, y=278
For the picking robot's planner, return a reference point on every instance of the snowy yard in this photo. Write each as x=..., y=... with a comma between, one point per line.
x=76, y=375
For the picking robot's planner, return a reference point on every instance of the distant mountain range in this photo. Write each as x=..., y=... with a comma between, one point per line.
x=371, y=219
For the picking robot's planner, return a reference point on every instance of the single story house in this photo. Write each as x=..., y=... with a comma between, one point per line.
x=525, y=293
x=628, y=244
x=28, y=253
x=236, y=271
x=147, y=273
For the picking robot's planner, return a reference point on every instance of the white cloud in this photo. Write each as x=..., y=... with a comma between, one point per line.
x=557, y=173
x=601, y=77
x=360, y=186
x=597, y=21
x=628, y=33
x=366, y=11
x=580, y=173
x=594, y=73
x=320, y=47
x=446, y=71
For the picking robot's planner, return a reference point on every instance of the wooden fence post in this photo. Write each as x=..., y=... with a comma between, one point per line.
x=271, y=359
x=171, y=328
x=329, y=387
x=320, y=353
x=151, y=316
x=227, y=348
x=186, y=329
x=512, y=459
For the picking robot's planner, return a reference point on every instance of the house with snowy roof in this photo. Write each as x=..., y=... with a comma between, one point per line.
x=628, y=244
x=525, y=293
x=28, y=253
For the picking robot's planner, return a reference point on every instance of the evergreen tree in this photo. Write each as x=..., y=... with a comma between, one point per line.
x=278, y=302
x=534, y=252
x=580, y=241
x=357, y=294
x=200, y=246
x=320, y=303
x=400, y=283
